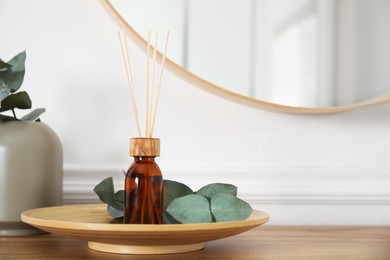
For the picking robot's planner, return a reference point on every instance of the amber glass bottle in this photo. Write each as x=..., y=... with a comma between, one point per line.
x=143, y=183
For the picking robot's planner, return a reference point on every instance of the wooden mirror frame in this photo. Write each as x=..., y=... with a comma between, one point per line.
x=224, y=93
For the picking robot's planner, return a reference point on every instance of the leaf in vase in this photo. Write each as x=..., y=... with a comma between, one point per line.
x=173, y=190
x=4, y=65
x=227, y=207
x=4, y=93
x=4, y=118
x=213, y=189
x=16, y=72
x=19, y=100
x=190, y=209
x=33, y=115
x=4, y=76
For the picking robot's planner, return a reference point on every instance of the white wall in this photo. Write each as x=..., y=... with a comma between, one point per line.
x=302, y=169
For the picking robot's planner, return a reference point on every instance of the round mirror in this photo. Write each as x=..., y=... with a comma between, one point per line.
x=297, y=53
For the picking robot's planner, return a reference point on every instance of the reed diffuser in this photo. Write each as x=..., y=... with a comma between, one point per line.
x=144, y=180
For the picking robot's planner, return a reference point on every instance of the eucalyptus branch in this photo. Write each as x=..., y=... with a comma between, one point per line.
x=13, y=112
x=11, y=79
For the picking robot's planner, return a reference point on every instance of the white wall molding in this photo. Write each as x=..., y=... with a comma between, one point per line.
x=288, y=193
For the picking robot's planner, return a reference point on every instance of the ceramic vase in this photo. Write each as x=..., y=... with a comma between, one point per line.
x=31, y=169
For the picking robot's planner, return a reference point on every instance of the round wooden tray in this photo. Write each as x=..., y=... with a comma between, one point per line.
x=91, y=222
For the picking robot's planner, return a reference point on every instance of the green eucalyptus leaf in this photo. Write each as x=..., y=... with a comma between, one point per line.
x=105, y=191
x=19, y=100
x=168, y=219
x=190, y=209
x=4, y=118
x=33, y=115
x=173, y=190
x=4, y=76
x=120, y=196
x=4, y=65
x=16, y=73
x=212, y=189
x=11, y=79
x=4, y=93
x=227, y=207
x=115, y=213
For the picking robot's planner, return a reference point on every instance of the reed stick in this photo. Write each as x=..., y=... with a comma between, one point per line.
x=147, y=86
x=152, y=100
x=149, y=134
x=126, y=60
x=159, y=83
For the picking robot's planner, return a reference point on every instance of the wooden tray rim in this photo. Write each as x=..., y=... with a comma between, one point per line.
x=257, y=218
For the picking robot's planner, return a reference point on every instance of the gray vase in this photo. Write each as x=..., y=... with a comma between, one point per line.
x=30, y=173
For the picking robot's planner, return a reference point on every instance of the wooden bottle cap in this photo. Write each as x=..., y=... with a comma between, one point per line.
x=144, y=147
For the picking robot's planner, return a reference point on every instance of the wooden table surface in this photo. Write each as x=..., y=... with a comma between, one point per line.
x=266, y=242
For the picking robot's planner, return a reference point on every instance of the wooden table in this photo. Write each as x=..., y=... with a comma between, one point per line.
x=266, y=242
